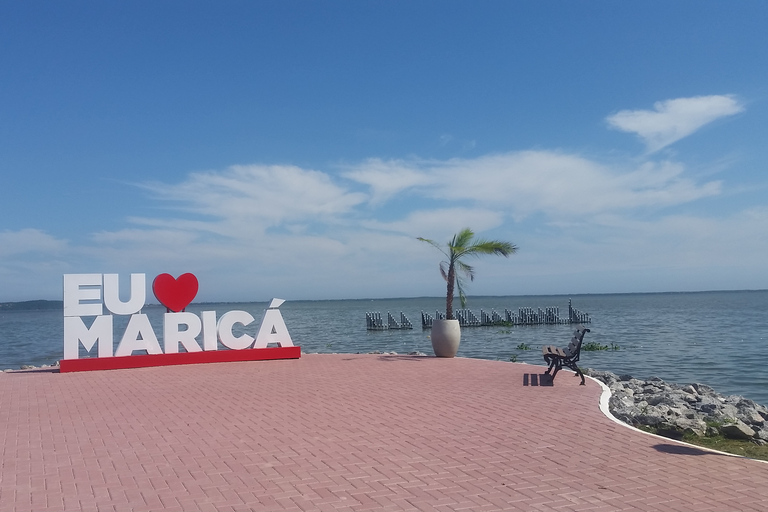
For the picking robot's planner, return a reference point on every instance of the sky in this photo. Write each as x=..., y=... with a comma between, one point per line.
x=298, y=149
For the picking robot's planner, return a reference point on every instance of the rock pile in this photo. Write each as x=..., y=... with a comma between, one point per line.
x=674, y=409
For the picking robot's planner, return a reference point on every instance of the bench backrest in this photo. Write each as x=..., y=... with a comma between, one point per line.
x=573, y=350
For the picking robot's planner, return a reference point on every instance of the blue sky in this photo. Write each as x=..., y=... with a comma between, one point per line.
x=297, y=149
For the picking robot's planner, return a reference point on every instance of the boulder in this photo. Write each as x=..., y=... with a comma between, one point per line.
x=762, y=434
x=737, y=430
x=702, y=389
x=689, y=389
x=692, y=426
x=750, y=417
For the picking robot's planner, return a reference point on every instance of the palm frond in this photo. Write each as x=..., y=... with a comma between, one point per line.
x=464, y=244
x=465, y=269
x=434, y=244
x=462, y=295
x=463, y=238
x=481, y=247
x=444, y=269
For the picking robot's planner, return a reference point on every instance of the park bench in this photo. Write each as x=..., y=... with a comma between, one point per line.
x=558, y=357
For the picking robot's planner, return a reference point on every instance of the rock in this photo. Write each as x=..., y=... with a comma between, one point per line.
x=750, y=417
x=661, y=399
x=737, y=430
x=691, y=399
x=651, y=420
x=702, y=389
x=650, y=389
x=690, y=390
x=692, y=426
x=762, y=434
x=616, y=387
x=670, y=430
x=655, y=415
x=726, y=412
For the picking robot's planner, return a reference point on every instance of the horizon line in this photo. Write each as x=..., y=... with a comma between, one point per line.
x=429, y=297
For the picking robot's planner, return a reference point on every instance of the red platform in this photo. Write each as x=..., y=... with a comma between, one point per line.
x=211, y=356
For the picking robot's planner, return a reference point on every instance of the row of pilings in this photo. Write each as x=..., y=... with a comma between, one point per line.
x=374, y=322
x=524, y=316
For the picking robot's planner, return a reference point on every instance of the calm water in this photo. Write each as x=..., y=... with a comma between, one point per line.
x=716, y=338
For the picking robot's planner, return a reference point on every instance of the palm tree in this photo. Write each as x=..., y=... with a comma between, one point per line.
x=454, y=270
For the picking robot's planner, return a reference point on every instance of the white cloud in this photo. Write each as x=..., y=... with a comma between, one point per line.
x=255, y=197
x=28, y=241
x=440, y=223
x=387, y=178
x=528, y=182
x=671, y=120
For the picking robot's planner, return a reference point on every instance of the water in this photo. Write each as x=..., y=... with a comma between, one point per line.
x=716, y=338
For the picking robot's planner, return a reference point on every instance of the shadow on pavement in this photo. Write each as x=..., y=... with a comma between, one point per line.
x=677, y=449
x=403, y=357
x=537, y=379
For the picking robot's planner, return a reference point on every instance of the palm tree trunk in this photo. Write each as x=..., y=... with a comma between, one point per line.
x=449, y=294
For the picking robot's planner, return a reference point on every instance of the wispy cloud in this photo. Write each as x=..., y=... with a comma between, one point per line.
x=256, y=197
x=440, y=222
x=387, y=178
x=27, y=241
x=671, y=120
x=528, y=182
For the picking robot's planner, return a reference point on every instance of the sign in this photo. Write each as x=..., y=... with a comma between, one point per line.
x=187, y=337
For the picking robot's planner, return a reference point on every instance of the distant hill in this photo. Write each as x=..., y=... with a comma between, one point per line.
x=31, y=305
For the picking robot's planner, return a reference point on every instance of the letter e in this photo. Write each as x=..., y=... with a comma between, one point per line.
x=75, y=294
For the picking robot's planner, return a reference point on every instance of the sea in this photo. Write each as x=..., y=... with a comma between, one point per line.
x=715, y=338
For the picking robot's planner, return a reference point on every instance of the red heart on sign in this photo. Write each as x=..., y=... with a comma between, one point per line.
x=175, y=294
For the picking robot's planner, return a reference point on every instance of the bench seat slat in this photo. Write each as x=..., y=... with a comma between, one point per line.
x=551, y=349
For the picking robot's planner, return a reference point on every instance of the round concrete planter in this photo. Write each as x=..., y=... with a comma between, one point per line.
x=446, y=336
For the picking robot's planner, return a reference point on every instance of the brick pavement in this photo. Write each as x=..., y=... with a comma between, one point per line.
x=343, y=433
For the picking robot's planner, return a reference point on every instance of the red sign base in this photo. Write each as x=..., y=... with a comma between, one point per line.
x=147, y=360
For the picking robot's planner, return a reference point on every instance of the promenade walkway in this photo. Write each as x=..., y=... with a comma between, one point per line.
x=343, y=433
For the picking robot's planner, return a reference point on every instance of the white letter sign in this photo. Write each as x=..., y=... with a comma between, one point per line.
x=187, y=337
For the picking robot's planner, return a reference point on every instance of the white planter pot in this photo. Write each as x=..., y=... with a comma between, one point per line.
x=446, y=336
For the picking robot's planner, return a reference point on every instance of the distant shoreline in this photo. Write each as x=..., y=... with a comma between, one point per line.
x=32, y=305
x=36, y=305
